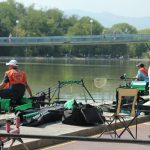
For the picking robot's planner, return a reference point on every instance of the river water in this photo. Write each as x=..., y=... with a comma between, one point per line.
x=45, y=73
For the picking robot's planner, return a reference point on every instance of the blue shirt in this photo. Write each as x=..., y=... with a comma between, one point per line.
x=141, y=76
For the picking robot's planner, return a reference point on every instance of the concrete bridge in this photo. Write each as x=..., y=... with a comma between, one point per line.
x=76, y=40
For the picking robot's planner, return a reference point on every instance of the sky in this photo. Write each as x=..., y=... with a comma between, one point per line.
x=130, y=8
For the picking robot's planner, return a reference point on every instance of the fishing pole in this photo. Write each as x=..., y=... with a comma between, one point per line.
x=130, y=78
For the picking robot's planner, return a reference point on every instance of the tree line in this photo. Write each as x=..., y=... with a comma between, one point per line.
x=20, y=21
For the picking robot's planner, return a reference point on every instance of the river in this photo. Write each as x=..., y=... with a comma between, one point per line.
x=45, y=73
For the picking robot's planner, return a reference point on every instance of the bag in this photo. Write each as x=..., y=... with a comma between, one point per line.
x=83, y=115
x=36, y=117
x=92, y=115
x=46, y=116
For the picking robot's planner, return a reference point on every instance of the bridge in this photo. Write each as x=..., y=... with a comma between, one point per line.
x=76, y=40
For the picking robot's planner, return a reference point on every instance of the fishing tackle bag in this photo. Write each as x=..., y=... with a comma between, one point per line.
x=82, y=115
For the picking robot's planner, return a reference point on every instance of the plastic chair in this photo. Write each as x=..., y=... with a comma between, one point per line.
x=119, y=117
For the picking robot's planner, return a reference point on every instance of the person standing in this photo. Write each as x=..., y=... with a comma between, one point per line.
x=14, y=83
x=10, y=38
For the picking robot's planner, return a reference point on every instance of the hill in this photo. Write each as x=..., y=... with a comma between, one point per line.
x=107, y=19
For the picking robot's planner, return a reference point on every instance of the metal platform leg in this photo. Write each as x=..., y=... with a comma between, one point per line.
x=20, y=140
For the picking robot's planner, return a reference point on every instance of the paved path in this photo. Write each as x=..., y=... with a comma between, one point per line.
x=55, y=129
x=143, y=134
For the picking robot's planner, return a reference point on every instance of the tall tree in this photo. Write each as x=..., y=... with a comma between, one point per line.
x=123, y=28
x=83, y=27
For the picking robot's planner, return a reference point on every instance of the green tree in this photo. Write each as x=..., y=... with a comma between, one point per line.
x=34, y=22
x=7, y=17
x=123, y=28
x=83, y=27
x=55, y=21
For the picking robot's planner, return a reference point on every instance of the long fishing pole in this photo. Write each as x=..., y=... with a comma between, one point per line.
x=131, y=78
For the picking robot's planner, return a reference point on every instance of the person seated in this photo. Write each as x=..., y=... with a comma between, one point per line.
x=142, y=74
x=14, y=83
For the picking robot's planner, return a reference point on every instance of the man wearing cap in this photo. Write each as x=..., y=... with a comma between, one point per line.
x=14, y=83
x=142, y=74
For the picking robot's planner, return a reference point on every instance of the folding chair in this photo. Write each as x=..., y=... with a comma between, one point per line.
x=119, y=118
x=131, y=107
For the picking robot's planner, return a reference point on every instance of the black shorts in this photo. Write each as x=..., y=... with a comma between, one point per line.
x=16, y=92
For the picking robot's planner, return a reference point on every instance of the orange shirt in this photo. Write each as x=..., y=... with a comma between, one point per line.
x=16, y=76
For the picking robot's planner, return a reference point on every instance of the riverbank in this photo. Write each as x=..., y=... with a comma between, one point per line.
x=75, y=58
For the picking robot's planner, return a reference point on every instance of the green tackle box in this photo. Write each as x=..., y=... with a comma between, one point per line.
x=26, y=104
x=5, y=104
x=23, y=107
x=25, y=100
x=140, y=85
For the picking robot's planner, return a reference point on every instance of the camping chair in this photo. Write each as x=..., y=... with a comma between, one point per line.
x=118, y=119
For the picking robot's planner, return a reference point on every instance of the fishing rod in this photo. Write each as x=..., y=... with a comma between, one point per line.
x=121, y=79
x=128, y=78
x=124, y=77
x=49, y=93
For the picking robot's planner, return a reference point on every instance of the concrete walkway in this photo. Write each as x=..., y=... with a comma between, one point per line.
x=56, y=129
x=143, y=132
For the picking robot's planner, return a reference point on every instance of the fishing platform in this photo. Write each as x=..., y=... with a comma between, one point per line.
x=57, y=128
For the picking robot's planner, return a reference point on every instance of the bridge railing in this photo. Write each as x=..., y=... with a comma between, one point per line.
x=85, y=39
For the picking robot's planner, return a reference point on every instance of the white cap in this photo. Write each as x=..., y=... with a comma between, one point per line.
x=12, y=62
